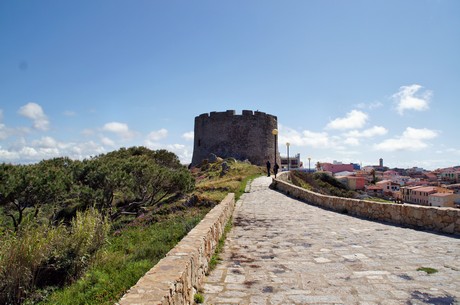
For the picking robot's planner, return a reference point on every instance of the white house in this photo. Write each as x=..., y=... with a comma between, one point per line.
x=446, y=200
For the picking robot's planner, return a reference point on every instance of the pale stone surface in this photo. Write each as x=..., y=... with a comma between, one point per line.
x=176, y=278
x=290, y=252
x=443, y=220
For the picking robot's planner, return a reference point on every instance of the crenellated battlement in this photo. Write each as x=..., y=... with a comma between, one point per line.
x=232, y=113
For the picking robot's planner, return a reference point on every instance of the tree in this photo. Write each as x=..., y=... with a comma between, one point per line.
x=147, y=183
x=33, y=186
x=374, y=178
x=17, y=191
x=318, y=166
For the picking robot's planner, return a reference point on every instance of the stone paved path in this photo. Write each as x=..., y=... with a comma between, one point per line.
x=282, y=251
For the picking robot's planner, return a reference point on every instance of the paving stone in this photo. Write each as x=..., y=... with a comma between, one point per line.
x=283, y=251
x=209, y=288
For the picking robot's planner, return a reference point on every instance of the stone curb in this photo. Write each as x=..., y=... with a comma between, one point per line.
x=177, y=277
x=444, y=220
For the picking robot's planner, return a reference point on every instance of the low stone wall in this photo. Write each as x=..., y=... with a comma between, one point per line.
x=445, y=220
x=177, y=277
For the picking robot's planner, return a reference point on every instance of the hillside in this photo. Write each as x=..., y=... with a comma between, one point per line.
x=82, y=232
x=321, y=183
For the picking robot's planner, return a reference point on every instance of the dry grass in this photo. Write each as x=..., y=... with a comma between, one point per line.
x=213, y=185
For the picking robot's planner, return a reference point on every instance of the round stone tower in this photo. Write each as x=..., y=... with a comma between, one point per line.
x=226, y=134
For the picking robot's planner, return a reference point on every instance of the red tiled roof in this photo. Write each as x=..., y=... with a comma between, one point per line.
x=374, y=187
x=441, y=194
x=427, y=189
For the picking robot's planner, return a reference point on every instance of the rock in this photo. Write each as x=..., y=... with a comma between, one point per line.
x=230, y=160
x=225, y=168
x=212, y=158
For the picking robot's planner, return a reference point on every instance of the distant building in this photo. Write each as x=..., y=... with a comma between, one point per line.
x=379, y=167
x=431, y=177
x=446, y=200
x=356, y=166
x=294, y=161
x=352, y=182
x=337, y=167
x=374, y=190
x=420, y=194
x=389, y=186
x=344, y=174
x=454, y=187
x=450, y=175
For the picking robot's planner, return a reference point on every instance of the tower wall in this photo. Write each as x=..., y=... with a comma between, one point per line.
x=226, y=134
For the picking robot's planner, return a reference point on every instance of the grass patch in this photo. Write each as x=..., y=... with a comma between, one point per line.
x=140, y=245
x=321, y=183
x=125, y=259
x=198, y=298
x=212, y=184
x=428, y=270
x=375, y=199
x=215, y=258
x=242, y=187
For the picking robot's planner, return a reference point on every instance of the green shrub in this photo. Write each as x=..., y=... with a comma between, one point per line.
x=427, y=270
x=126, y=258
x=321, y=183
x=41, y=255
x=215, y=258
x=198, y=298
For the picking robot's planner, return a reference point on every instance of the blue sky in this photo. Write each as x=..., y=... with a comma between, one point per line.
x=352, y=81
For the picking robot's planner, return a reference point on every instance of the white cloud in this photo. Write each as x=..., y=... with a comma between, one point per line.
x=453, y=150
x=85, y=150
x=412, y=139
x=8, y=155
x=35, y=112
x=304, y=138
x=157, y=135
x=121, y=129
x=370, y=106
x=46, y=142
x=87, y=132
x=406, y=99
x=107, y=141
x=353, y=119
x=47, y=148
x=182, y=151
x=4, y=132
x=188, y=136
x=368, y=133
x=352, y=141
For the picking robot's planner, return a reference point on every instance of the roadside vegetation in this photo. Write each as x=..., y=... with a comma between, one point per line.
x=324, y=184
x=321, y=183
x=83, y=232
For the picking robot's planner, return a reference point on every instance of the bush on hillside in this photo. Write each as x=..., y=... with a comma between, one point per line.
x=321, y=183
x=41, y=255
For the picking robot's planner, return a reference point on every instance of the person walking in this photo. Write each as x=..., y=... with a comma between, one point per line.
x=275, y=168
x=268, y=168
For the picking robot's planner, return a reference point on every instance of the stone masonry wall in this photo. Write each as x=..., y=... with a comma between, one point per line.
x=445, y=220
x=177, y=277
x=226, y=134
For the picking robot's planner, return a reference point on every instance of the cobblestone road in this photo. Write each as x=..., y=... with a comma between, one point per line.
x=282, y=251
